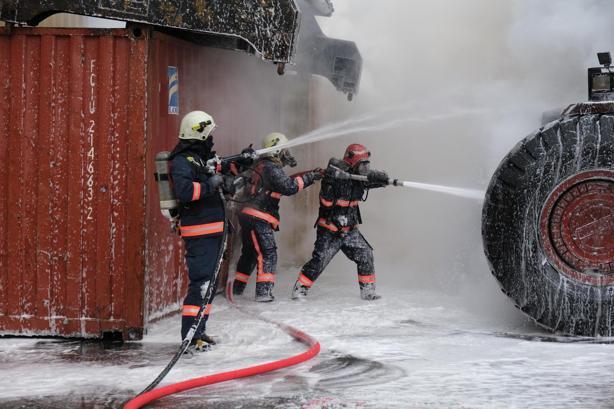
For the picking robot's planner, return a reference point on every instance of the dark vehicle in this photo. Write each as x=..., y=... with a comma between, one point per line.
x=548, y=217
x=280, y=31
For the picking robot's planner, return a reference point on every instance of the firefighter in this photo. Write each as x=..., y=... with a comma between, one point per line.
x=201, y=215
x=259, y=219
x=338, y=220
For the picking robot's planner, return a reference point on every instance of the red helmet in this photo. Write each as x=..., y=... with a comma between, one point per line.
x=356, y=153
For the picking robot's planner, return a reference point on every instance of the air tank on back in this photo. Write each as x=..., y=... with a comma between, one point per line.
x=548, y=216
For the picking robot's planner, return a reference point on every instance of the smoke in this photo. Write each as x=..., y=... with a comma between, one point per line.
x=508, y=60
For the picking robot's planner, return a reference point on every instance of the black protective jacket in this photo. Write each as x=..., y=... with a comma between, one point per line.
x=340, y=198
x=269, y=184
x=201, y=210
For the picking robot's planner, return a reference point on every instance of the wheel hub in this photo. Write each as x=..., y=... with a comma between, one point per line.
x=577, y=227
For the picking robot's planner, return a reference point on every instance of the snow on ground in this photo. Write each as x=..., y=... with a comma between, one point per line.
x=407, y=350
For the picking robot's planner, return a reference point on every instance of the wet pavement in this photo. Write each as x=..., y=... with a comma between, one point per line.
x=403, y=351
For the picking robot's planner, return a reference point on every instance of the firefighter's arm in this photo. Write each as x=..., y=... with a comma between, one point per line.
x=290, y=185
x=185, y=185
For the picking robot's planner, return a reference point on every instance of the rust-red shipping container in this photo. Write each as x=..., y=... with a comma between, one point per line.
x=84, y=250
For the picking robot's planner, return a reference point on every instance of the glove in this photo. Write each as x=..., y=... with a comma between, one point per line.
x=249, y=152
x=317, y=173
x=377, y=177
x=248, y=155
x=212, y=164
x=215, y=181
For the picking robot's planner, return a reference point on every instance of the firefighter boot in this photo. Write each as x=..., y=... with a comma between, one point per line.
x=238, y=287
x=299, y=291
x=367, y=292
x=264, y=292
x=202, y=343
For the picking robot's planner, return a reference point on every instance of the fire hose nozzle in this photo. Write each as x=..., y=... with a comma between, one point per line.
x=341, y=174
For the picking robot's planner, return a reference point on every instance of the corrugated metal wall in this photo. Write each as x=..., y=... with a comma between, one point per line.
x=72, y=179
x=83, y=246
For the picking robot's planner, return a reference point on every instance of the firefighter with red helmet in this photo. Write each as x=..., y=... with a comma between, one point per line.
x=259, y=219
x=338, y=220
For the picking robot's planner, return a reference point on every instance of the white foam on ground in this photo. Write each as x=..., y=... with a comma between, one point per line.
x=427, y=354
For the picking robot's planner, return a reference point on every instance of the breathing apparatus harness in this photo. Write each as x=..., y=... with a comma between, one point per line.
x=253, y=175
x=336, y=170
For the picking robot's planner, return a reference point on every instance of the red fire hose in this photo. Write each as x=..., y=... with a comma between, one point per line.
x=314, y=349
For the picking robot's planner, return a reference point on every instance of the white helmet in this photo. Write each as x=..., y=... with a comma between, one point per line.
x=196, y=125
x=274, y=139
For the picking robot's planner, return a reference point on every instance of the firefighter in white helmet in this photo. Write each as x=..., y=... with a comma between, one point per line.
x=259, y=219
x=201, y=215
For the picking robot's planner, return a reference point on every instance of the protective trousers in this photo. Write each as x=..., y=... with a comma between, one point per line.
x=258, y=250
x=328, y=244
x=201, y=258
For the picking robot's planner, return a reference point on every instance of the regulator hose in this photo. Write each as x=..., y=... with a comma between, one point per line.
x=310, y=342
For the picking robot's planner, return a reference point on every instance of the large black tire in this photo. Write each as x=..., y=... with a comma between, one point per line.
x=548, y=223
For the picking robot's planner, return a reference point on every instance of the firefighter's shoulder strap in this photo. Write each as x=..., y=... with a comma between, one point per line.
x=257, y=177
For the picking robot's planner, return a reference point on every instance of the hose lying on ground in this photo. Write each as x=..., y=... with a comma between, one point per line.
x=314, y=349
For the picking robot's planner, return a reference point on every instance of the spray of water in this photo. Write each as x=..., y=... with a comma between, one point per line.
x=454, y=191
x=376, y=121
x=368, y=123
